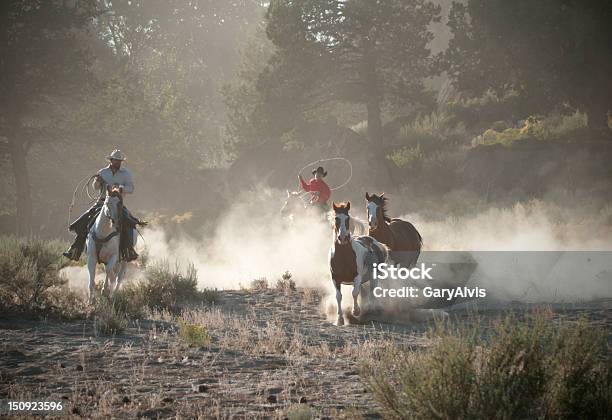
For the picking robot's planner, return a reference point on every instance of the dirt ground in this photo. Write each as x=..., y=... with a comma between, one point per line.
x=271, y=353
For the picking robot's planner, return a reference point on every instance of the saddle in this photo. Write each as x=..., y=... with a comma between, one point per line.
x=128, y=222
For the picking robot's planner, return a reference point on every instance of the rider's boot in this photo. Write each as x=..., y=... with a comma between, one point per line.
x=127, y=240
x=130, y=254
x=76, y=249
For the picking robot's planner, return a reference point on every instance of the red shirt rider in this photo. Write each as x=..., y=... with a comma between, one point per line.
x=317, y=187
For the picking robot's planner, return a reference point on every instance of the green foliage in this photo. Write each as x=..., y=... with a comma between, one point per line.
x=405, y=156
x=527, y=368
x=551, y=128
x=29, y=274
x=193, y=334
x=330, y=52
x=547, y=48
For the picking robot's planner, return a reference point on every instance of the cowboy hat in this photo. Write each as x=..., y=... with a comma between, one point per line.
x=320, y=170
x=116, y=154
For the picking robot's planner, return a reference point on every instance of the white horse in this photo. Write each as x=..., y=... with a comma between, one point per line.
x=351, y=258
x=103, y=244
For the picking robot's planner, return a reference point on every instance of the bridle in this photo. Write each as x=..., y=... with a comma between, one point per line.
x=116, y=223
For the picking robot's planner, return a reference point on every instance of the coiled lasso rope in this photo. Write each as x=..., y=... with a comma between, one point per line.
x=316, y=162
x=84, y=186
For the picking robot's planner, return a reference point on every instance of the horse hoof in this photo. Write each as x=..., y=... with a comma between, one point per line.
x=340, y=321
x=356, y=311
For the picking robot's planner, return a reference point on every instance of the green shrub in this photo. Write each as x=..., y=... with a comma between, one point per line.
x=162, y=288
x=552, y=127
x=405, y=155
x=193, y=334
x=518, y=369
x=166, y=288
x=131, y=299
x=29, y=274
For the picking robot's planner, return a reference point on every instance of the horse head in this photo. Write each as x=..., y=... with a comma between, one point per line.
x=341, y=222
x=113, y=204
x=375, y=205
x=292, y=203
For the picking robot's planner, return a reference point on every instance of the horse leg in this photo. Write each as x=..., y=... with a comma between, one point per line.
x=110, y=274
x=339, y=302
x=91, y=267
x=356, y=288
x=122, y=266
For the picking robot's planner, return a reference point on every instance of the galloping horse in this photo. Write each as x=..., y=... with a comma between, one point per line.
x=103, y=243
x=296, y=207
x=351, y=259
x=397, y=234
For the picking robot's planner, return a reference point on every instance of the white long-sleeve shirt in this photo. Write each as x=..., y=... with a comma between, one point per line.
x=122, y=178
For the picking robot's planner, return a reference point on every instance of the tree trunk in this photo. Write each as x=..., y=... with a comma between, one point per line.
x=375, y=132
x=384, y=176
x=22, y=187
x=597, y=120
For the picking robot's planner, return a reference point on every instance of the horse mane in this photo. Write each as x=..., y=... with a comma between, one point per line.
x=381, y=200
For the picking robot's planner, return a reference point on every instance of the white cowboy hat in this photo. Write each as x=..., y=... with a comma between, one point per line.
x=116, y=154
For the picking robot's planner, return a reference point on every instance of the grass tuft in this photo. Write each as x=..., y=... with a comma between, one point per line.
x=285, y=284
x=194, y=334
x=108, y=318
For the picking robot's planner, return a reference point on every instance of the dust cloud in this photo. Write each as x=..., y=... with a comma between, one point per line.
x=251, y=240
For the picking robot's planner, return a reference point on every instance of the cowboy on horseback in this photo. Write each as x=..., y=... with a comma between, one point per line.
x=318, y=188
x=112, y=175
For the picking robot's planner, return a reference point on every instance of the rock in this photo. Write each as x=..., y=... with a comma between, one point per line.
x=62, y=365
x=200, y=387
x=272, y=399
x=79, y=368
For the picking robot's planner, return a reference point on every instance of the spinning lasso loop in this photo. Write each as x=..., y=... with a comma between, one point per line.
x=311, y=164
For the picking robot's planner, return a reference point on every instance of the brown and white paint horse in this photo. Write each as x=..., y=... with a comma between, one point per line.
x=350, y=258
x=399, y=235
